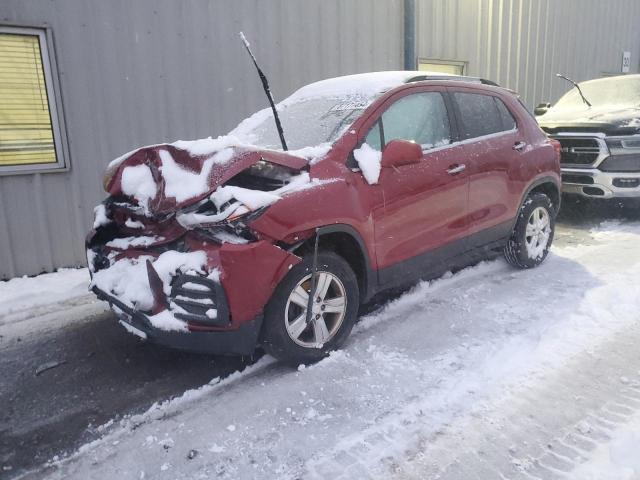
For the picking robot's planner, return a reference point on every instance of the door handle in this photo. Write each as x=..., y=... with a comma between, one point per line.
x=454, y=169
x=519, y=146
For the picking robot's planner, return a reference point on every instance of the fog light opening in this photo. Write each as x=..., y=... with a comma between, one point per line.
x=593, y=191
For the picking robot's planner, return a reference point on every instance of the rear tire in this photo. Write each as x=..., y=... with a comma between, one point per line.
x=286, y=335
x=533, y=234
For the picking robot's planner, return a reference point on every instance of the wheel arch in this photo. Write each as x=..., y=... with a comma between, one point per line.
x=345, y=241
x=547, y=185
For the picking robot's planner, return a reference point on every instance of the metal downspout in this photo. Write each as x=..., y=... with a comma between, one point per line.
x=410, y=35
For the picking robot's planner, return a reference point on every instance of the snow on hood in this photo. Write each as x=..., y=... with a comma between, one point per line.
x=613, y=116
x=165, y=177
x=204, y=146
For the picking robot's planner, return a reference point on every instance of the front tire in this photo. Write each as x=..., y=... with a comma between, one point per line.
x=532, y=236
x=286, y=334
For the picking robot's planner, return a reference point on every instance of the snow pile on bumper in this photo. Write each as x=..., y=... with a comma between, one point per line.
x=127, y=280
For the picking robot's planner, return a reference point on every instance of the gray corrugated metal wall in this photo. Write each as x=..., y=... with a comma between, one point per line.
x=149, y=71
x=521, y=44
x=143, y=72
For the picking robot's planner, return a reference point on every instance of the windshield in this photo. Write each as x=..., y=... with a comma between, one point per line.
x=306, y=123
x=607, y=91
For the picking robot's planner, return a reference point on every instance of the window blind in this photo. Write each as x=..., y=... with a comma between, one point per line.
x=26, y=134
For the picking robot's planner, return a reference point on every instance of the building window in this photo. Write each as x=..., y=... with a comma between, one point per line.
x=29, y=128
x=453, y=67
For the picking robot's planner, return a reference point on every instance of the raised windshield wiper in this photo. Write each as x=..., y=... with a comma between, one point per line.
x=267, y=91
x=577, y=87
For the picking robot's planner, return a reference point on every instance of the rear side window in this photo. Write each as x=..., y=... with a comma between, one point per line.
x=526, y=109
x=508, y=122
x=482, y=114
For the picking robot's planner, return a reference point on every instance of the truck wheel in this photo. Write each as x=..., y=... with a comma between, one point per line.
x=532, y=236
x=286, y=333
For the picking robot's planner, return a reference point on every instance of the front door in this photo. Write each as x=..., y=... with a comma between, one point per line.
x=422, y=219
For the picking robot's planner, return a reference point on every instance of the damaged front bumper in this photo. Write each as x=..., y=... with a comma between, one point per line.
x=241, y=341
x=217, y=315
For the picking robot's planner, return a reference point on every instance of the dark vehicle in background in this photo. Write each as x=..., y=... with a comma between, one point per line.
x=221, y=245
x=600, y=136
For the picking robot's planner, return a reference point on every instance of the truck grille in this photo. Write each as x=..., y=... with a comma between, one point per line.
x=579, y=151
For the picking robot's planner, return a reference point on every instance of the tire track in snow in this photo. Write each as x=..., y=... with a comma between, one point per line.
x=534, y=425
x=543, y=431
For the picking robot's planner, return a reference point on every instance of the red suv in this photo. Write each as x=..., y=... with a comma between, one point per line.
x=221, y=245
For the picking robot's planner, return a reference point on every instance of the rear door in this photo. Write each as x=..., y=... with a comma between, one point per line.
x=424, y=204
x=493, y=148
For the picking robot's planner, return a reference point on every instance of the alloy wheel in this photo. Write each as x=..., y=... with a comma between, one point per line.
x=537, y=232
x=327, y=314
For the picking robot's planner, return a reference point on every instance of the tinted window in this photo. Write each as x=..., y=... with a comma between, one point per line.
x=508, y=122
x=481, y=115
x=522, y=104
x=421, y=118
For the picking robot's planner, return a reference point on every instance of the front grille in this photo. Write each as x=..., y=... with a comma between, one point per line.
x=621, y=163
x=579, y=151
x=200, y=300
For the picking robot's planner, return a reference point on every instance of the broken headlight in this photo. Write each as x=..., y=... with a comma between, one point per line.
x=263, y=176
x=241, y=199
x=223, y=223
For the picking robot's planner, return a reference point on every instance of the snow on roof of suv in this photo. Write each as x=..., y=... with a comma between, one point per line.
x=372, y=83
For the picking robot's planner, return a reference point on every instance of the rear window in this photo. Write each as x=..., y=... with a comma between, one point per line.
x=482, y=115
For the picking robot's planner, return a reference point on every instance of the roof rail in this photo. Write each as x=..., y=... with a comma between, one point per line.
x=453, y=78
x=485, y=81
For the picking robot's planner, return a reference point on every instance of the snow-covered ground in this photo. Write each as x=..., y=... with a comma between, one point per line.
x=487, y=373
x=49, y=301
x=617, y=458
x=22, y=295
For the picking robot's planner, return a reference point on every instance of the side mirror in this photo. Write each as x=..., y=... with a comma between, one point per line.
x=541, y=109
x=401, y=152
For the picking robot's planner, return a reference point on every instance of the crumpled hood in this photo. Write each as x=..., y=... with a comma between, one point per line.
x=611, y=119
x=165, y=177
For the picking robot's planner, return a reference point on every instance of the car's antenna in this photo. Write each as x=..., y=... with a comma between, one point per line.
x=267, y=90
x=575, y=85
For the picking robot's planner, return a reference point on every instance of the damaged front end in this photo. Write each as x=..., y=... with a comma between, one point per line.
x=184, y=268
x=224, y=215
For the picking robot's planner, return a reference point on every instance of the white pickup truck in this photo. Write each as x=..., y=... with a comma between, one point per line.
x=598, y=126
